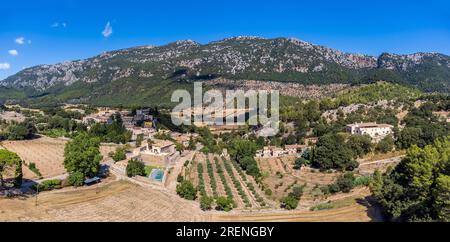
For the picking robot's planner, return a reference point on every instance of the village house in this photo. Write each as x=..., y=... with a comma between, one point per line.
x=157, y=147
x=295, y=149
x=273, y=151
x=311, y=140
x=146, y=133
x=100, y=117
x=374, y=130
x=143, y=116
x=128, y=122
x=443, y=115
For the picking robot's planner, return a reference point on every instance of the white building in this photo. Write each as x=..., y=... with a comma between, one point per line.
x=158, y=147
x=273, y=151
x=374, y=130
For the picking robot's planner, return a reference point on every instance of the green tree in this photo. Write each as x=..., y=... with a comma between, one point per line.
x=206, y=203
x=76, y=179
x=360, y=144
x=332, y=152
x=289, y=202
x=441, y=194
x=408, y=137
x=82, y=154
x=243, y=152
x=135, y=168
x=224, y=204
x=385, y=145
x=346, y=182
x=120, y=154
x=299, y=162
x=186, y=190
x=10, y=160
x=21, y=131
x=418, y=188
x=139, y=139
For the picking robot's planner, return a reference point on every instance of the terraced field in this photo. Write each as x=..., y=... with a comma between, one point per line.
x=117, y=201
x=221, y=178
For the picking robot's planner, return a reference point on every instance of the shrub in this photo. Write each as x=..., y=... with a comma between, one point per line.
x=346, y=182
x=268, y=192
x=119, y=155
x=135, y=168
x=224, y=204
x=180, y=178
x=362, y=181
x=48, y=185
x=333, y=188
x=206, y=203
x=76, y=179
x=186, y=190
x=32, y=166
x=289, y=202
x=385, y=145
x=301, y=162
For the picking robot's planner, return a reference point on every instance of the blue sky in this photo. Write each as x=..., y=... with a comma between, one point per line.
x=55, y=31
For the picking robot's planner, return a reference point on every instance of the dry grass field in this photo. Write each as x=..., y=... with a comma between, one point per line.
x=117, y=201
x=47, y=153
x=123, y=201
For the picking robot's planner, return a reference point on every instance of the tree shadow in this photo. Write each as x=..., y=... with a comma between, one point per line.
x=374, y=210
x=8, y=191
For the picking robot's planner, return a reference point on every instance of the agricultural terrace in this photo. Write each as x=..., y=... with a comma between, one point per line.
x=279, y=178
x=216, y=177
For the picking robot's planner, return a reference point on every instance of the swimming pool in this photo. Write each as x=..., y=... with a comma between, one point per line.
x=157, y=175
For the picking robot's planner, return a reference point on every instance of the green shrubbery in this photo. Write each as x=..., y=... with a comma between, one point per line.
x=76, y=179
x=212, y=179
x=236, y=183
x=292, y=199
x=186, y=190
x=32, y=166
x=224, y=204
x=120, y=154
x=418, y=189
x=48, y=185
x=206, y=203
x=135, y=168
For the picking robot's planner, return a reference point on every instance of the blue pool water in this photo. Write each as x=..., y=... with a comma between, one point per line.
x=157, y=175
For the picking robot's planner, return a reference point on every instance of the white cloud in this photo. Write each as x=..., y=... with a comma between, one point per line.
x=58, y=24
x=108, y=30
x=4, y=66
x=13, y=52
x=20, y=40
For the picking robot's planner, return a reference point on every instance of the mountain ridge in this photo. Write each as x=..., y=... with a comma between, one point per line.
x=236, y=58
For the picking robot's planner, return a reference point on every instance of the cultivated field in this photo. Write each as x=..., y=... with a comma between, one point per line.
x=47, y=153
x=223, y=178
x=117, y=201
x=280, y=178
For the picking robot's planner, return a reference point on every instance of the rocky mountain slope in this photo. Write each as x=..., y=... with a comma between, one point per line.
x=133, y=75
